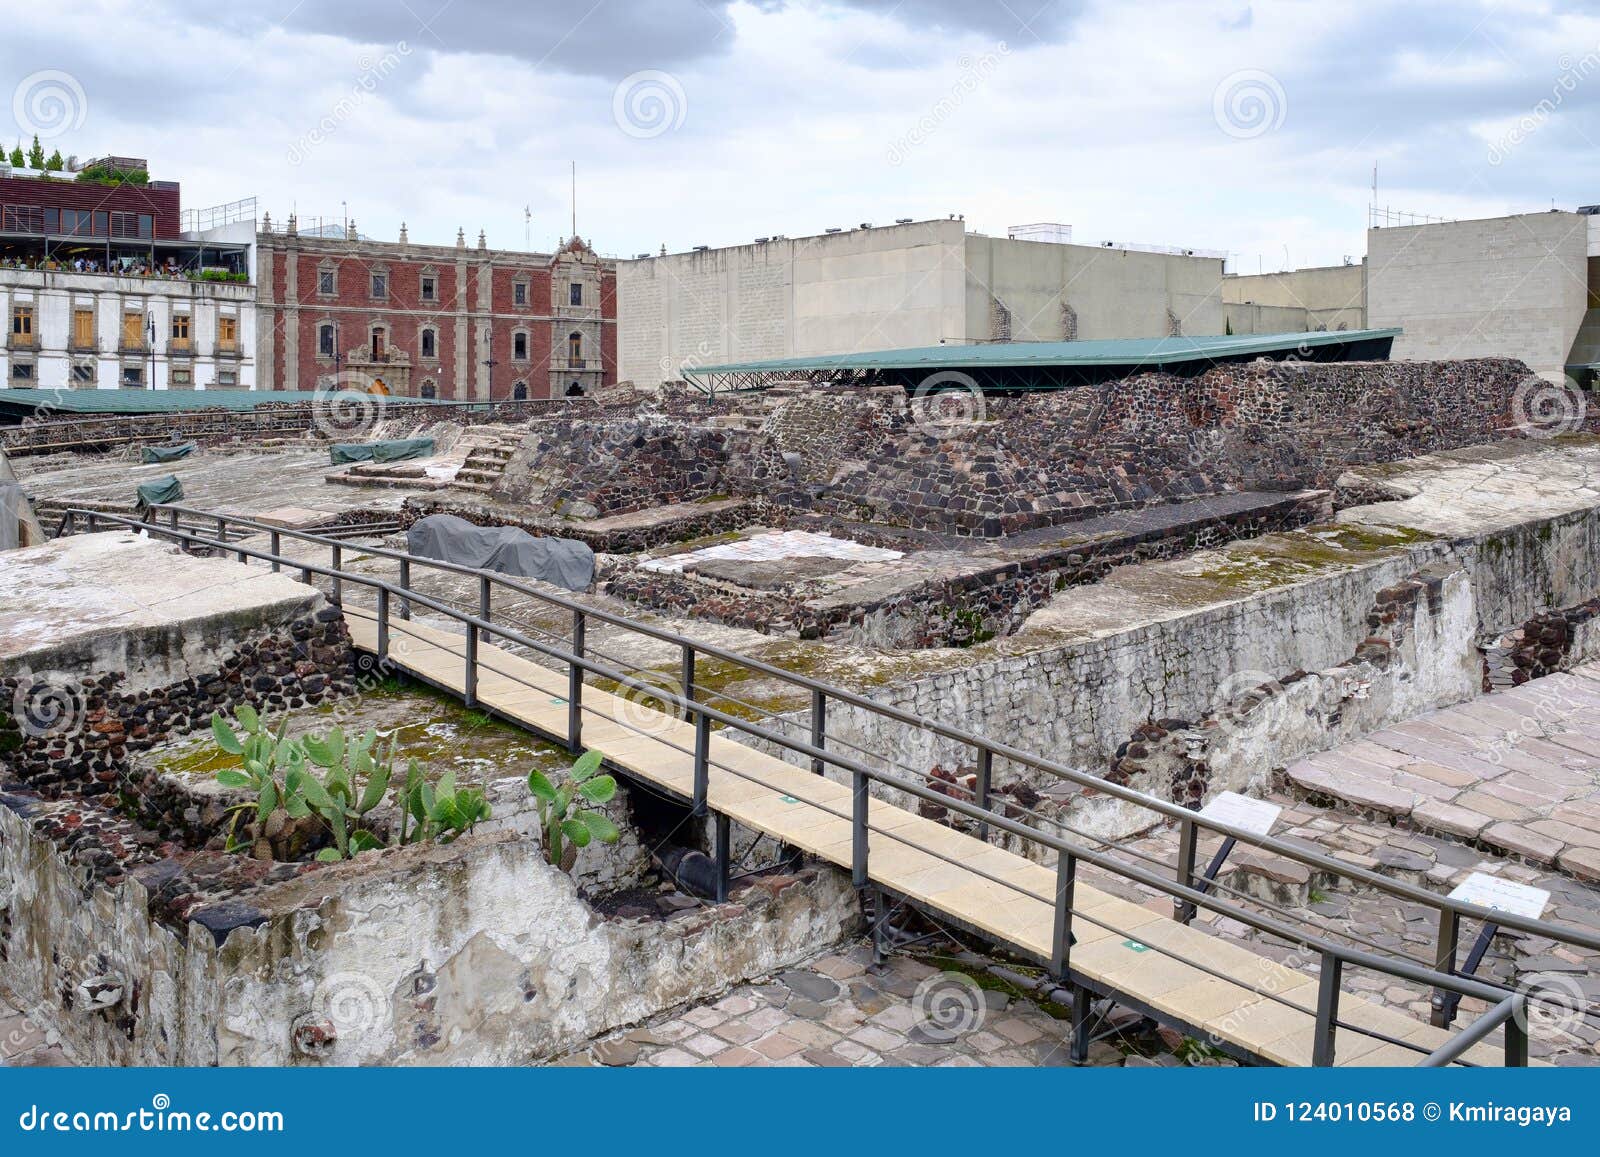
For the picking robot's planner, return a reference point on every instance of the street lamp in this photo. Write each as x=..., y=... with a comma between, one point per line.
x=491, y=363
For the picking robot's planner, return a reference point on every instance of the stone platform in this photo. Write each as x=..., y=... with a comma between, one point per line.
x=120, y=601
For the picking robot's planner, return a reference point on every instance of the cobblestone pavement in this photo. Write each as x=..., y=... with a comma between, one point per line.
x=1517, y=771
x=836, y=1012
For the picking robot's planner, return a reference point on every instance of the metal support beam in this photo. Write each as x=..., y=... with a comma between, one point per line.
x=383, y=622
x=1081, y=1010
x=575, y=687
x=819, y=726
x=858, y=830
x=981, y=794
x=405, y=585
x=1444, y=960
x=702, y=761
x=1322, y=1045
x=721, y=838
x=1061, y=940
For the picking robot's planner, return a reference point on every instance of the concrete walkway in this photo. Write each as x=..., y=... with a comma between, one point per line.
x=1515, y=772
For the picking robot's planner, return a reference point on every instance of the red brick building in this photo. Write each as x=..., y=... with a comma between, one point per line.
x=453, y=322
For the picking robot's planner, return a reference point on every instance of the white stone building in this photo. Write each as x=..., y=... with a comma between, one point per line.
x=70, y=330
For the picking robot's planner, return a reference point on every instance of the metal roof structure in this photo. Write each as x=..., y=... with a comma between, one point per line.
x=1047, y=364
x=36, y=403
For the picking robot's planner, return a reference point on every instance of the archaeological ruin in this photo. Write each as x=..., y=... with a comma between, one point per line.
x=1242, y=716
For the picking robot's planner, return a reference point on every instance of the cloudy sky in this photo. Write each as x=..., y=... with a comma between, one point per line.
x=1238, y=126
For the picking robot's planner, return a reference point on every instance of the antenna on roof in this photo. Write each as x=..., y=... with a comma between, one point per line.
x=574, y=198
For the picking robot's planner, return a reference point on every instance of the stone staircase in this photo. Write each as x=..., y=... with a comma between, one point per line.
x=489, y=449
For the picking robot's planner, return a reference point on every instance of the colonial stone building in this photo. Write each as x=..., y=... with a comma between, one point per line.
x=454, y=322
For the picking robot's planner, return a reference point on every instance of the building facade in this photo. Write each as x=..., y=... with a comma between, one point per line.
x=454, y=322
x=1517, y=287
x=918, y=283
x=99, y=289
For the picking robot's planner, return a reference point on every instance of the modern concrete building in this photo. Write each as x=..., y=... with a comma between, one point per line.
x=1517, y=286
x=101, y=288
x=1329, y=297
x=911, y=284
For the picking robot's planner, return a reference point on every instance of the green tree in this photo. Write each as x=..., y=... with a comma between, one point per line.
x=36, y=154
x=17, y=159
x=56, y=162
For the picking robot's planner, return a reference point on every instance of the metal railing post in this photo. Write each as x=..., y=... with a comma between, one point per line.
x=1517, y=1033
x=1061, y=938
x=858, y=830
x=383, y=622
x=222, y=530
x=1188, y=839
x=702, y=761
x=575, y=687
x=469, y=683
x=1444, y=960
x=405, y=585
x=93, y=523
x=980, y=795
x=484, y=598
x=1322, y=1044
x=819, y=726
x=686, y=675
x=173, y=520
x=335, y=564
x=277, y=548
x=722, y=848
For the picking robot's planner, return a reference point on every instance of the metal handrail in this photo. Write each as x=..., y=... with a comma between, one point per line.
x=1511, y=1012
x=1182, y=815
x=1333, y=956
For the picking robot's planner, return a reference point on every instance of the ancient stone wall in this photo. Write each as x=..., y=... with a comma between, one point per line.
x=999, y=465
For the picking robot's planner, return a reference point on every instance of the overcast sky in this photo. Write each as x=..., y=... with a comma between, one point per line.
x=1246, y=127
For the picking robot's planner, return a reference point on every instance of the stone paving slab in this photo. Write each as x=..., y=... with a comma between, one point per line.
x=1516, y=772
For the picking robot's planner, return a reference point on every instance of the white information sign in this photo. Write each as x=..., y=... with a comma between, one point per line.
x=1488, y=891
x=1240, y=811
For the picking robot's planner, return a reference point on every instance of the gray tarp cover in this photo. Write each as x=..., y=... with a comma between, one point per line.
x=396, y=450
x=562, y=561
x=159, y=490
x=166, y=453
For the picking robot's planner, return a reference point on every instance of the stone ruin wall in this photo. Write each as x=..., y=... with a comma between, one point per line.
x=1046, y=458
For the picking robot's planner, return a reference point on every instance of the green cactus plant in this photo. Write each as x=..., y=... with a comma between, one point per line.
x=564, y=822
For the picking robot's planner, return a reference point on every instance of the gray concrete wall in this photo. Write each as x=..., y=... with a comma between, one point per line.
x=1330, y=297
x=1242, y=318
x=1084, y=292
x=834, y=293
x=1505, y=287
x=903, y=285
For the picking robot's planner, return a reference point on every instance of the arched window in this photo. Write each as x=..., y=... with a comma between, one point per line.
x=575, y=347
x=574, y=390
x=520, y=391
x=380, y=342
x=325, y=340
x=430, y=343
x=428, y=390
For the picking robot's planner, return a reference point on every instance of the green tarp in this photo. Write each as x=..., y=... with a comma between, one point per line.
x=160, y=490
x=166, y=453
x=395, y=451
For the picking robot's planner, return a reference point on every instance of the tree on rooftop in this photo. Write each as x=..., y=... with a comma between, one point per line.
x=36, y=154
x=17, y=160
x=56, y=162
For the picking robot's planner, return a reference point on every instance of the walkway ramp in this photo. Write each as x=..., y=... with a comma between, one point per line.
x=1180, y=973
